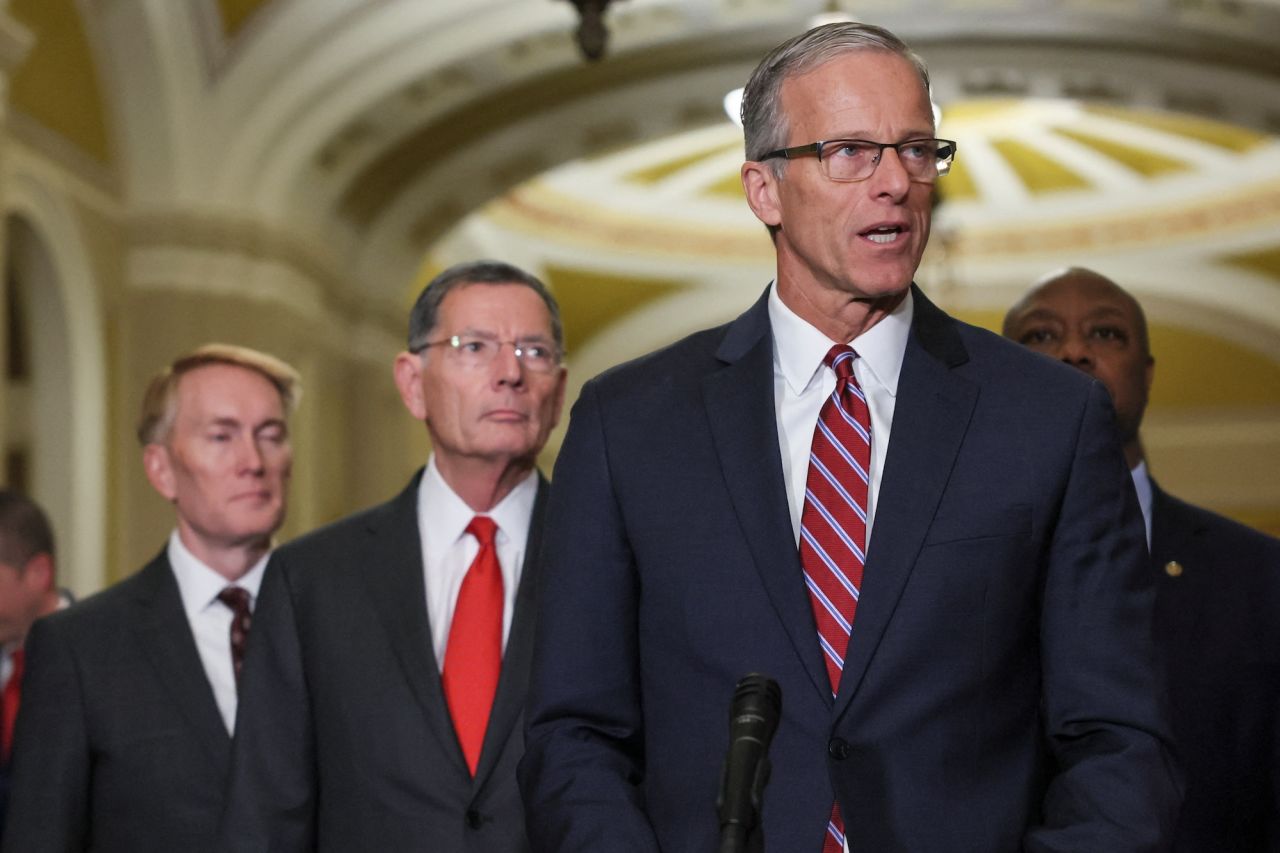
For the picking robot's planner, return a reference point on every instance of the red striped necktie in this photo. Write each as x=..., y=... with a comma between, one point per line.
x=833, y=525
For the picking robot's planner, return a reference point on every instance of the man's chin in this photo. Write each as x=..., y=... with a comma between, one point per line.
x=258, y=531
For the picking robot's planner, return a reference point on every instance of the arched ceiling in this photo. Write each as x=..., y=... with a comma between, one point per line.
x=1148, y=196
x=368, y=129
x=338, y=143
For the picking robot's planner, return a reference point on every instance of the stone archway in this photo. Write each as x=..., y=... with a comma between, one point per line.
x=63, y=426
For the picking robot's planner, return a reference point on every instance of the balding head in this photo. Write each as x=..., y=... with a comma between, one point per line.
x=1087, y=283
x=1090, y=322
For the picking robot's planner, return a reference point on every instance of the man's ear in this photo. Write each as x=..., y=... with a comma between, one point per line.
x=159, y=469
x=761, y=187
x=38, y=571
x=408, y=376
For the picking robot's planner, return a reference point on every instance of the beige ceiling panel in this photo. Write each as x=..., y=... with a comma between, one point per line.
x=1228, y=136
x=58, y=84
x=236, y=13
x=1264, y=261
x=591, y=300
x=1146, y=161
x=1040, y=174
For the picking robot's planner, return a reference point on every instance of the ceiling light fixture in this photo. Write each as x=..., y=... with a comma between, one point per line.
x=592, y=35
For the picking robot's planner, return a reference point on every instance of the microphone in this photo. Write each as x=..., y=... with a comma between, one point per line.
x=753, y=718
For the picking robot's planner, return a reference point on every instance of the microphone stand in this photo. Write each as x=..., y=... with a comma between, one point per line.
x=753, y=719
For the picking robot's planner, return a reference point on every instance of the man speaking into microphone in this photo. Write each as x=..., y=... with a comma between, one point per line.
x=925, y=533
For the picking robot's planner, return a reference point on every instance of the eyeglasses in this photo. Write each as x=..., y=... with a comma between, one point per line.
x=924, y=160
x=474, y=352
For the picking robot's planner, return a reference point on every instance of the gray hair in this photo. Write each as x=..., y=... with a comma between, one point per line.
x=426, y=311
x=764, y=127
x=160, y=401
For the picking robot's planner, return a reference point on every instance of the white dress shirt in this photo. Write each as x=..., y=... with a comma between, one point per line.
x=210, y=619
x=802, y=383
x=6, y=663
x=1142, y=484
x=448, y=550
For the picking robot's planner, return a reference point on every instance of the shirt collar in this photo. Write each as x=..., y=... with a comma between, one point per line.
x=800, y=348
x=199, y=585
x=1142, y=485
x=450, y=515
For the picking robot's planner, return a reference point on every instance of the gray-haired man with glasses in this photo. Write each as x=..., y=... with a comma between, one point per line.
x=386, y=676
x=924, y=534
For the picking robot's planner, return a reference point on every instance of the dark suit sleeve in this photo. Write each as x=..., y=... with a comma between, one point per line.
x=49, y=804
x=1114, y=788
x=271, y=799
x=583, y=761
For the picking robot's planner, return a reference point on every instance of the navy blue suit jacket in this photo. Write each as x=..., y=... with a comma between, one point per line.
x=999, y=689
x=1218, y=622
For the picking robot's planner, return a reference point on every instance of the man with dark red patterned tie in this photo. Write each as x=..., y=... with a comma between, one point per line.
x=129, y=697
x=924, y=535
x=385, y=682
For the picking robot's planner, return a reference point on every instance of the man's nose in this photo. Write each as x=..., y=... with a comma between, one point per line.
x=508, y=369
x=1075, y=352
x=891, y=176
x=251, y=455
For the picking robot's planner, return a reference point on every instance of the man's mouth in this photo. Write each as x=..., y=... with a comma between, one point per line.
x=883, y=234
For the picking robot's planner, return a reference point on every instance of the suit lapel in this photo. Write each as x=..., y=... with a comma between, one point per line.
x=160, y=623
x=395, y=583
x=740, y=409
x=513, y=684
x=1173, y=537
x=929, y=422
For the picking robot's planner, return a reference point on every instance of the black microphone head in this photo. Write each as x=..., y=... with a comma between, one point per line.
x=756, y=708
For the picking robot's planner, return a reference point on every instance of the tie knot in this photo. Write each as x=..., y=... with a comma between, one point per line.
x=483, y=528
x=840, y=359
x=235, y=597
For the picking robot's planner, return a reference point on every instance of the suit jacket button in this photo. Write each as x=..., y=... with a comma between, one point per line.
x=473, y=818
x=838, y=748
x=1173, y=568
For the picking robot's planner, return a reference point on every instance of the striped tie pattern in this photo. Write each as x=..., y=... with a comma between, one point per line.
x=833, y=525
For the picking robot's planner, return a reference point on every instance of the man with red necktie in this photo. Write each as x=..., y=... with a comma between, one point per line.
x=925, y=535
x=384, y=687
x=28, y=590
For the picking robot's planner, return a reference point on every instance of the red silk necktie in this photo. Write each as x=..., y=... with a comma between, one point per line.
x=473, y=656
x=9, y=700
x=833, y=526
